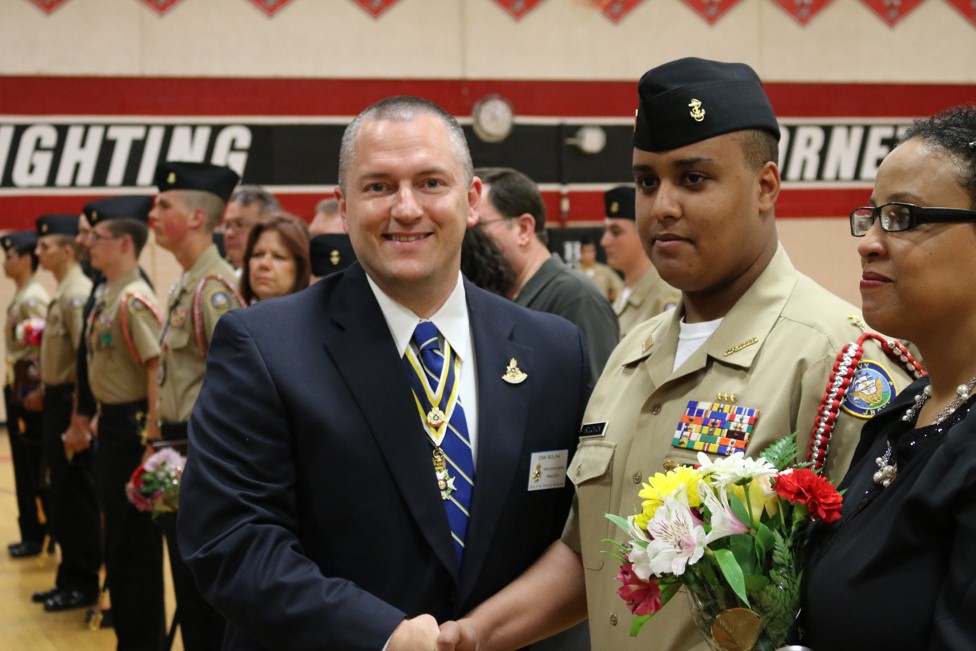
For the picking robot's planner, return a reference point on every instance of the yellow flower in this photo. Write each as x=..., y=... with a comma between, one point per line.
x=761, y=497
x=664, y=485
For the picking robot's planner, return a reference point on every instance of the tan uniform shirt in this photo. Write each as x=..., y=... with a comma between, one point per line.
x=649, y=297
x=62, y=332
x=605, y=278
x=123, y=333
x=30, y=302
x=203, y=294
x=773, y=352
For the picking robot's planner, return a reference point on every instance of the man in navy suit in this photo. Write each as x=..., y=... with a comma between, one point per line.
x=313, y=512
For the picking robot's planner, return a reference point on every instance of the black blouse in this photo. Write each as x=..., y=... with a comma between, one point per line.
x=898, y=570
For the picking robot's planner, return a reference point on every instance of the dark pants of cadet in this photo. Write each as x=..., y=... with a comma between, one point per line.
x=201, y=627
x=73, y=514
x=27, y=455
x=133, y=542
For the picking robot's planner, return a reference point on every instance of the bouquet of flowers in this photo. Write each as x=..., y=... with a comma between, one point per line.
x=155, y=485
x=29, y=332
x=731, y=532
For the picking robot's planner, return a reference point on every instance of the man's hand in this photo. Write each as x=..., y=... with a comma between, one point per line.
x=77, y=437
x=417, y=634
x=34, y=401
x=457, y=636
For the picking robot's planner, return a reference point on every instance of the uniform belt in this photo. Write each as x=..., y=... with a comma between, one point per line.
x=173, y=431
x=122, y=409
x=58, y=388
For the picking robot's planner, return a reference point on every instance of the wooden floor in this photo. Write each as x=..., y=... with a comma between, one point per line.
x=24, y=626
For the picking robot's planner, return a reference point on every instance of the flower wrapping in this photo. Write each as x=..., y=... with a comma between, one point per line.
x=29, y=332
x=155, y=485
x=730, y=532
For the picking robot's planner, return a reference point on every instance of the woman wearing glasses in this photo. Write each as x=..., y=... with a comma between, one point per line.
x=898, y=571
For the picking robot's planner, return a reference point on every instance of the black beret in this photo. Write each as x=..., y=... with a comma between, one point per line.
x=57, y=225
x=214, y=179
x=330, y=252
x=128, y=206
x=19, y=241
x=619, y=202
x=690, y=100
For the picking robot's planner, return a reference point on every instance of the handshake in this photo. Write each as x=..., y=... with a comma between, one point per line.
x=423, y=634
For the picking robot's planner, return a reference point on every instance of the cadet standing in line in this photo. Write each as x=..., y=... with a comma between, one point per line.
x=26, y=310
x=644, y=293
x=123, y=360
x=73, y=514
x=189, y=205
x=752, y=336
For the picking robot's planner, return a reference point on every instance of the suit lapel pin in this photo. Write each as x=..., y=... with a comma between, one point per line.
x=513, y=374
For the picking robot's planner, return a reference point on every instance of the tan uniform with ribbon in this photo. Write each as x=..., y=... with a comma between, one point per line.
x=123, y=333
x=761, y=376
x=202, y=296
x=62, y=331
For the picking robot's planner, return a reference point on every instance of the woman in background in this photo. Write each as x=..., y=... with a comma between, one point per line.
x=898, y=570
x=276, y=259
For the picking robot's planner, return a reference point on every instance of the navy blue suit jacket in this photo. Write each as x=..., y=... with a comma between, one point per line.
x=309, y=512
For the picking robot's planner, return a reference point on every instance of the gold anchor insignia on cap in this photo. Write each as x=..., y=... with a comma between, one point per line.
x=513, y=374
x=44, y=228
x=94, y=215
x=614, y=208
x=697, y=112
x=636, y=116
x=171, y=179
x=648, y=344
x=334, y=257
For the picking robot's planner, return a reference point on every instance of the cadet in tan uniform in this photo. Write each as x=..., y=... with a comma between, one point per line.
x=189, y=205
x=123, y=360
x=751, y=335
x=26, y=312
x=644, y=293
x=602, y=275
x=73, y=514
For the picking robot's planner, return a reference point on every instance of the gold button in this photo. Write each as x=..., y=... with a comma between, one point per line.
x=637, y=477
x=670, y=464
x=656, y=409
x=613, y=620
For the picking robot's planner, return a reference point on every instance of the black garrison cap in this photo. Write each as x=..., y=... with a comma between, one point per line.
x=618, y=202
x=57, y=225
x=128, y=206
x=214, y=179
x=691, y=99
x=330, y=252
x=19, y=241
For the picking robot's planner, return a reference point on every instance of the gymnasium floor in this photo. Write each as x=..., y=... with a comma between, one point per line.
x=24, y=626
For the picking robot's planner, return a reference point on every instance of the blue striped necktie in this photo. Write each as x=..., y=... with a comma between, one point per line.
x=436, y=389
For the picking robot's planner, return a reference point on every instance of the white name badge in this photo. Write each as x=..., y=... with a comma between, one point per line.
x=548, y=470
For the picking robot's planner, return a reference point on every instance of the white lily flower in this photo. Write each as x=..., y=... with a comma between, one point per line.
x=677, y=537
x=724, y=523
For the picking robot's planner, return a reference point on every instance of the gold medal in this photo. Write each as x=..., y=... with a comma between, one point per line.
x=436, y=417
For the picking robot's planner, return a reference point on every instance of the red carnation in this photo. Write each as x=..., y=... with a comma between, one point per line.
x=806, y=487
x=642, y=597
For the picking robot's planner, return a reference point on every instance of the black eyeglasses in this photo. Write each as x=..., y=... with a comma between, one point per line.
x=897, y=216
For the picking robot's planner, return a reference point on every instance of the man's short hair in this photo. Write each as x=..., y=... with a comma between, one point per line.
x=404, y=108
x=758, y=147
x=60, y=239
x=513, y=193
x=211, y=204
x=327, y=206
x=134, y=228
x=248, y=195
